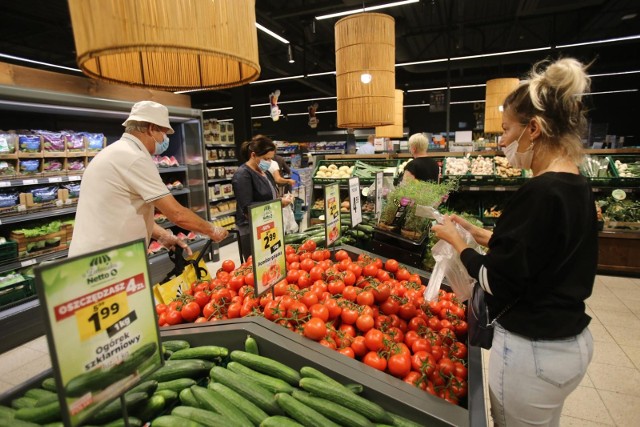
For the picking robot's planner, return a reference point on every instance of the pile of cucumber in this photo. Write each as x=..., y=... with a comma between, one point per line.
x=210, y=386
x=360, y=234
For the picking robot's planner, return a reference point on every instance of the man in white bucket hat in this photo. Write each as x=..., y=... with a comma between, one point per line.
x=121, y=188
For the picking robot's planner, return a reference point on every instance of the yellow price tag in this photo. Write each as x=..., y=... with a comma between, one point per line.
x=96, y=318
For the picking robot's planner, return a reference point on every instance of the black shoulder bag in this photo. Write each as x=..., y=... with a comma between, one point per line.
x=480, y=330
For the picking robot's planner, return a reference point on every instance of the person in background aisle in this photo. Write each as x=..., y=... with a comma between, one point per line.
x=421, y=167
x=277, y=165
x=121, y=187
x=367, y=148
x=542, y=254
x=252, y=183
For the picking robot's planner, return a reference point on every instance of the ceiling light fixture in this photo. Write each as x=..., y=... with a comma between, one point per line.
x=445, y=88
x=217, y=109
x=326, y=73
x=271, y=33
x=290, y=55
x=366, y=9
x=615, y=74
x=365, y=78
x=299, y=76
x=605, y=41
x=31, y=61
x=610, y=91
x=416, y=105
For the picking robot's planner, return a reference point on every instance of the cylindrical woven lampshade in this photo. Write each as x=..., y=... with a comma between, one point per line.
x=365, y=42
x=394, y=130
x=167, y=44
x=497, y=91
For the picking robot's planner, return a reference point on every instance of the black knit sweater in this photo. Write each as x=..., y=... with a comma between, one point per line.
x=544, y=253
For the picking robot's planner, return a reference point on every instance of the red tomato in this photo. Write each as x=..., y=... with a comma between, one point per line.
x=350, y=293
x=190, y=311
x=343, y=265
x=417, y=324
x=374, y=339
x=347, y=330
x=460, y=370
x=364, y=322
x=201, y=298
x=307, y=264
x=342, y=254
x=423, y=362
x=355, y=269
x=421, y=345
x=236, y=282
x=365, y=298
x=248, y=280
x=445, y=366
x=461, y=327
x=200, y=320
x=390, y=306
x=399, y=364
x=161, y=308
x=370, y=270
x=336, y=287
x=228, y=265
x=347, y=351
x=382, y=275
x=317, y=255
x=407, y=311
x=359, y=347
x=209, y=309
x=233, y=311
x=320, y=311
x=349, y=315
x=316, y=273
x=402, y=274
x=173, y=317
x=304, y=281
x=162, y=319
x=328, y=344
x=413, y=378
x=223, y=276
x=349, y=278
x=381, y=292
x=410, y=338
x=315, y=329
x=334, y=309
x=309, y=299
x=458, y=350
x=293, y=276
x=391, y=265
x=297, y=312
x=374, y=360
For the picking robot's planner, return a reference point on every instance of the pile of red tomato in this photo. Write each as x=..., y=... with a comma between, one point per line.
x=364, y=309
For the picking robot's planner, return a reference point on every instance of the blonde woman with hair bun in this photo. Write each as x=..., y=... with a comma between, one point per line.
x=421, y=167
x=543, y=252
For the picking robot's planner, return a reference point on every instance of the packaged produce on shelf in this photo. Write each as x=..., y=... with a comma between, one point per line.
x=53, y=142
x=29, y=166
x=29, y=143
x=7, y=168
x=94, y=141
x=596, y=167
x=630, y=169
x=8, y=143
x=74, y=141
x=52, y=165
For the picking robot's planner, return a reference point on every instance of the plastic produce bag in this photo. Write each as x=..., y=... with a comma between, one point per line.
x=449, y=266
x=289, y=220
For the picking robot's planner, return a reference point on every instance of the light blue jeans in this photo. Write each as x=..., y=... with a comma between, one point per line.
x=530, y=379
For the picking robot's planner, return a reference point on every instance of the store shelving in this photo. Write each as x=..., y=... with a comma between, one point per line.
x=44, y=213
x=222, y=161
x=218, y=180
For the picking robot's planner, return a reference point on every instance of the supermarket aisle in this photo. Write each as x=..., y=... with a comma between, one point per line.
x=608, y=396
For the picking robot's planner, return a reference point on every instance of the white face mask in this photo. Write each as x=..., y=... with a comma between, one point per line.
x=517, y=159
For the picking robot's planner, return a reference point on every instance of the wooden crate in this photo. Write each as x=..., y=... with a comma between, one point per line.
x=30, y=246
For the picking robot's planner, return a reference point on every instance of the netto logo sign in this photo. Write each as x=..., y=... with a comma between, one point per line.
x=100, y=268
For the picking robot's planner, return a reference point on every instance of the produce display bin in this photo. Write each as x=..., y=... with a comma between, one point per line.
x=393, y=245
x=605, y=176
x=626, y=177
x=387, y=163
x=17, y=292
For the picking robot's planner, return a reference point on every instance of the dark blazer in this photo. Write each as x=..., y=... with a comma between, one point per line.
x=250, y=187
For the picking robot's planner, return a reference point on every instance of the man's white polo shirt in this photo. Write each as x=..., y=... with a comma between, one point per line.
x=116, y=197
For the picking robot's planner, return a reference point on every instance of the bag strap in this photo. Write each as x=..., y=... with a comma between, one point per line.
x=504, y=310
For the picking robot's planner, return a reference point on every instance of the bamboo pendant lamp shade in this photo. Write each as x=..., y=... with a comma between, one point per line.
x=167, y=44
x=394, y=130
x=496, y=92
x=365, y=43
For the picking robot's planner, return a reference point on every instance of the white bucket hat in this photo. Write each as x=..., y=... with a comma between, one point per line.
x=150, y=112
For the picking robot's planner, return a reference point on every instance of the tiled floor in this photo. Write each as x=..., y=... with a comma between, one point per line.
x=609, y=395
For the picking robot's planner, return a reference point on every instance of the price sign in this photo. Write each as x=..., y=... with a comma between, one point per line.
x=55, y=179
x=379, y=176
x=74, y=178
x=354, y=201
x=267, y=248
x=5, y=183
x=332, y=213
x=99, y=316
x=29, y=181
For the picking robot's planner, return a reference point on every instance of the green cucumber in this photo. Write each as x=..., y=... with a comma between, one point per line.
x=345, y=397
x=247, y=388
x=133, y=422
x=148, y=387
x=294, y=238
x=170, y=396
x=113, y=410
x=205, y=352
x=11, y=422
x=6, y=412
x=402, y=421
x=302, y=413
x=309, y=372
x=23, y=402
x=280, y=421
x=274, y=385
x=173, y=421
x=38, y=393
x=50, y=384
x=152, y=408
x=135, y=359
x=335, y=412
x=251, y=345
x=173, y=370
x=175, y=345
x=208, y=418
x=355, y=388
x=176, y=385
x=267, y=366
x=45, y=400
x=213, y=401
x=40, y=415
x=250, y=409
x=188, y=399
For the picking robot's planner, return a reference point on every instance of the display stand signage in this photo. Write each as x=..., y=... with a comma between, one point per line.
x=267, y=244
x=354, y=201
x=101, y=326
x=332, y=213
x=379, y=176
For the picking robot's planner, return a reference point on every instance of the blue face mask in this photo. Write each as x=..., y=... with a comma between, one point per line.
x=264, y=165
x=161, y=146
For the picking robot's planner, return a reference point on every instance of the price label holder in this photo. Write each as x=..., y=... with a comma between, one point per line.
x=379, y=176
x=55, y=179
x=101, y=326
x=267, y=245
x=5, y=183
x=354, y=201
x=331, y=213
x=29, y=181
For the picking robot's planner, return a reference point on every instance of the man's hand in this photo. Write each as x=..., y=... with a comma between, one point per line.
x=218, y=234
x=169, y=241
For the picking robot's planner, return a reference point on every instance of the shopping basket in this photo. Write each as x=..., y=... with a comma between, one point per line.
x=298, y=204
x=185, y=272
